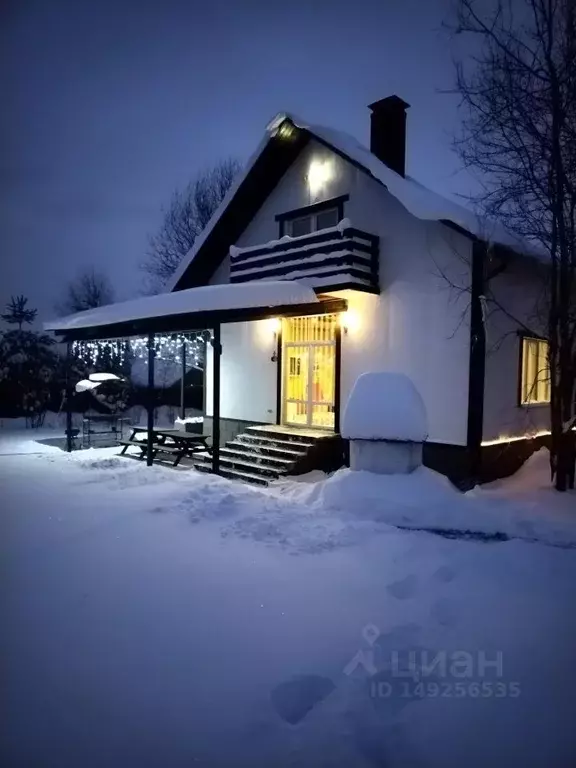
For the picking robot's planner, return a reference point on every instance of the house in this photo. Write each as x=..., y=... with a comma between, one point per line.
x=314, y=205
x=404, y=280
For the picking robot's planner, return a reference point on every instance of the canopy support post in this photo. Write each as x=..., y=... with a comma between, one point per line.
x=217, y=352
x=69, y=397
x=150, y=401
x=182, y=383
x=337, y=381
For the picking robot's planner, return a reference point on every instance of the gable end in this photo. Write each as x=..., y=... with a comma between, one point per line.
x=271, y=165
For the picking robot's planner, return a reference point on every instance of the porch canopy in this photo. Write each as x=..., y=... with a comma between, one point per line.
x=193, y=309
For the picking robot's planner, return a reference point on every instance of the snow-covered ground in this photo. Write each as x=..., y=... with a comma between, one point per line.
x=157, y=617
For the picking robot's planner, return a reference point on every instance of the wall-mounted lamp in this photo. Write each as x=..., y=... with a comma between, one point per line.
x=275, y=325
x=287, y=131
x=348, y=320
x=319, y=174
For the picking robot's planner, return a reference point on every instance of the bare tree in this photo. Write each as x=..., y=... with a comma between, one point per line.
x=187, y=215
x=90, y=289
x=518, y=96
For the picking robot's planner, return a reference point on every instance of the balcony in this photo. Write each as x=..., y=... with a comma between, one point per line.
x=331, y=259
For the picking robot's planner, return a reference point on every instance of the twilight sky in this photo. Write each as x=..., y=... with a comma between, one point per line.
x=108, y=105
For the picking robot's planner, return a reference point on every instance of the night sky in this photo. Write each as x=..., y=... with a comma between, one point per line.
x=108, y=105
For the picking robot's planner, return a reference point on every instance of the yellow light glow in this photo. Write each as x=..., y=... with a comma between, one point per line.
x=349, y=320
x=274, y=325
x=516, y=438
x=286, y=131
x=319, y=174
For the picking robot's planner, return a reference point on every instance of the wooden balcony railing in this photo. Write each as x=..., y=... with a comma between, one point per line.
x=331, y=259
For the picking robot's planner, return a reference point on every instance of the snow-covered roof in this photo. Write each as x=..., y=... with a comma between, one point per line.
x=208, y=298
x=417, y=199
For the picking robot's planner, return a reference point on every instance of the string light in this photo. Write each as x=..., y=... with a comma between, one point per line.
x=166, y=347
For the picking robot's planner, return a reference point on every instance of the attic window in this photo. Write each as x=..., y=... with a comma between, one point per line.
x=313, y=218
x=304, y=225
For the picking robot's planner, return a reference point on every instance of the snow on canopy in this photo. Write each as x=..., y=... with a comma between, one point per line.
x=207, y=298
x=385, y=406
x=417, y=199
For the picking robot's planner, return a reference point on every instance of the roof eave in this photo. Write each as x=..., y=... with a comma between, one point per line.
x=198, y=321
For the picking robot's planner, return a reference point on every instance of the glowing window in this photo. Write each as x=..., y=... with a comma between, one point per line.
x=535, y=384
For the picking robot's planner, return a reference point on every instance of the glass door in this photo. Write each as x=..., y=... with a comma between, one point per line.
x=309, y=361
x=322, y=364
x=296, y=384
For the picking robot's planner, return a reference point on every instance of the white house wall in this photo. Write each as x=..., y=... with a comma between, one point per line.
x=420, y=322
x=418, y=325
x=247, y=374
x=519, y=290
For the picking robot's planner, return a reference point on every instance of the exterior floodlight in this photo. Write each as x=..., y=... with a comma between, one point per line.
x=319, y=174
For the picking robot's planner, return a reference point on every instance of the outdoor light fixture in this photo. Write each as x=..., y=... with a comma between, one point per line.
x=275, y=325
x=286, y=131
x=319, y=174
x=348, y=320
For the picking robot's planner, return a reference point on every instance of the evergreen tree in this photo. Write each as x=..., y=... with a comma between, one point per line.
x=17, y=314
x=27, y=365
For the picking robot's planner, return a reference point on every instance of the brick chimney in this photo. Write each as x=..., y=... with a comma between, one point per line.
x=388, y=132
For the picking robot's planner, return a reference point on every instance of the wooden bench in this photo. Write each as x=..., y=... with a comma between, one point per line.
x=135, y=429
x=142, y=444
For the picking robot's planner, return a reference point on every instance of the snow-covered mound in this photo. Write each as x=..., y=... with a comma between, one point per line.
x=533, y=475
x=346, y=489
x=385, y=406
x=426, y=500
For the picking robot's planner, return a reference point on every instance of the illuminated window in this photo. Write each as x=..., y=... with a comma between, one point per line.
x=313, y=222
x=535, y=384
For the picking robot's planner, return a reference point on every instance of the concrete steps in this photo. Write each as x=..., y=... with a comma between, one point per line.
x=265, y=453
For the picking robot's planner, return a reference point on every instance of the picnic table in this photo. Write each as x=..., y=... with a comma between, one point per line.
x=171, y=441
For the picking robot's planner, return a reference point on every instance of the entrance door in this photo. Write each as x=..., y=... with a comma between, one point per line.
x=309, y=360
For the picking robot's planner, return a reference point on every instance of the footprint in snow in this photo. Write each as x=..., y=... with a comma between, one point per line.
x=445, y=612
x=444, y=573
x=403, y=589
x=294, y=698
